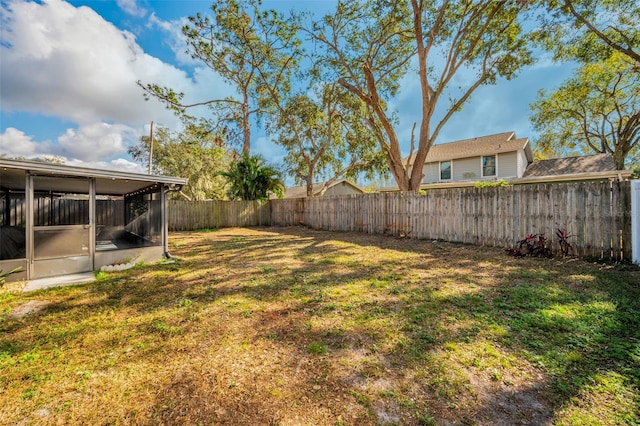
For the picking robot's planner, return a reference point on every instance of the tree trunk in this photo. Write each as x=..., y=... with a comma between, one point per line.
x=246, y=126
x=618, y=157
x=309, y=182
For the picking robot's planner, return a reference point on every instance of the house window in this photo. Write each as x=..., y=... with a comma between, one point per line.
x=488, y=165
x=445, y=170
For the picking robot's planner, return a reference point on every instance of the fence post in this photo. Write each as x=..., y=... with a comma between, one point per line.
x=635, y=221
x=602, y=222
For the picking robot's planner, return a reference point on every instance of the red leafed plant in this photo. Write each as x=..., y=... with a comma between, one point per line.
x=532, y=245
x=563, y=239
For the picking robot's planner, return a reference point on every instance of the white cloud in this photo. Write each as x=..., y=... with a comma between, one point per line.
x=175, y=38
x=68, y=62
x=118, y=164
x=91, y=142
x=15, y=143
x=95, y=141
x=132, y=8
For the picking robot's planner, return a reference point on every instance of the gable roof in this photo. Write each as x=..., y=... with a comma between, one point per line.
x=571, y=165
x=301, y=191
x=475, y=147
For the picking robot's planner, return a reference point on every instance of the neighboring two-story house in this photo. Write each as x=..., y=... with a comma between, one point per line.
x=504, y=156
x=501, y=156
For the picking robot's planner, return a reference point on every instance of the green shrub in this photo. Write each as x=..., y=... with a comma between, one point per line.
x=491, y=183
x=4, y=275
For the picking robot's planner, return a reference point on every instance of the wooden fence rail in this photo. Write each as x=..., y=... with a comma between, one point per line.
x=191, y=215
x=597, y=215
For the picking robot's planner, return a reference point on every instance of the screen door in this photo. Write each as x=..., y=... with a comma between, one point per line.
x=62, y=226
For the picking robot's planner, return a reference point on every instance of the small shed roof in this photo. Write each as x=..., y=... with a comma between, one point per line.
x=475, y=147
x=301, y=191
x=109, y=182
x=571, y=165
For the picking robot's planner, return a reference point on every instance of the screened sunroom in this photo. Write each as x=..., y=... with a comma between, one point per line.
x=59, y=220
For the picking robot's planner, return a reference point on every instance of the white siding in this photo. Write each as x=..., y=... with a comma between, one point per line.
x=467, y=169
x=522, y=163
x=507, y=165
x=342, y=188
x=431, y=173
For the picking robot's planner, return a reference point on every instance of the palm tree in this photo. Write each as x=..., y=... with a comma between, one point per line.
x=250, y=179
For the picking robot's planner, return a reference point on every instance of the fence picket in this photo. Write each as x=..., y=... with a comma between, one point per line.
x=596, y=214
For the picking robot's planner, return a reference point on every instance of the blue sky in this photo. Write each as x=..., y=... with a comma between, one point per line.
x=68, y=73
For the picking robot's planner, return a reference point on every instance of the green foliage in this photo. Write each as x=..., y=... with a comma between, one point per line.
x=249, y=48
x=368, y=47
x=4, y=275
x=596, y=111
x=491, y=183
x=197, y=153
x=317, y=348
x=250, y=179
x=326, y=135
x=589, y=30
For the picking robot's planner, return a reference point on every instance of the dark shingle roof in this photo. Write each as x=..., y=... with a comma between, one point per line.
x=571, y=165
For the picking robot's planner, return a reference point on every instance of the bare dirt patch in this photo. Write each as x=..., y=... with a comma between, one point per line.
x=31, y=307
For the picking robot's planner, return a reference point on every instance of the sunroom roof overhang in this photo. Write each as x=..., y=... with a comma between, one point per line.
x=108, y=182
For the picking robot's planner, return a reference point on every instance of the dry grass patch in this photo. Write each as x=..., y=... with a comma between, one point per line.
x=292, y=326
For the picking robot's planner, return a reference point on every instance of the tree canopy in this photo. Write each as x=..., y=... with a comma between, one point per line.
x=325, y=135
x=251, y=179
x=333, y=109
x=243, y=44
x=596, y=111
x=197, y=154
x=590, y=29
x=370, y=45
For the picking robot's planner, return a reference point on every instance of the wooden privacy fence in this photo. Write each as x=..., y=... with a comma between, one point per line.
x=191, y=215
x=597, y=215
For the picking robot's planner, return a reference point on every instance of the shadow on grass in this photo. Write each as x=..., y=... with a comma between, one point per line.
x=396, y=330
x=578, y=323
x=575, y=327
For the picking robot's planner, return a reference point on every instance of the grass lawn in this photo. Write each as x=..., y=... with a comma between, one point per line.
x=298, y=327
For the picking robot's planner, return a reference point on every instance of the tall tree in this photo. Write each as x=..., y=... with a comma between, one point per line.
x=326, y=136
x=370, y=44
x=596, y=111
x=242, y=43
x=198, y=154
x=251, y=179
x=586, y=29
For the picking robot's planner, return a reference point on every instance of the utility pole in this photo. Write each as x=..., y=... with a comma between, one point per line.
x=151, y=147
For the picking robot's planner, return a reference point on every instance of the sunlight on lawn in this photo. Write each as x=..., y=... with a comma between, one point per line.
x=295, y=326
